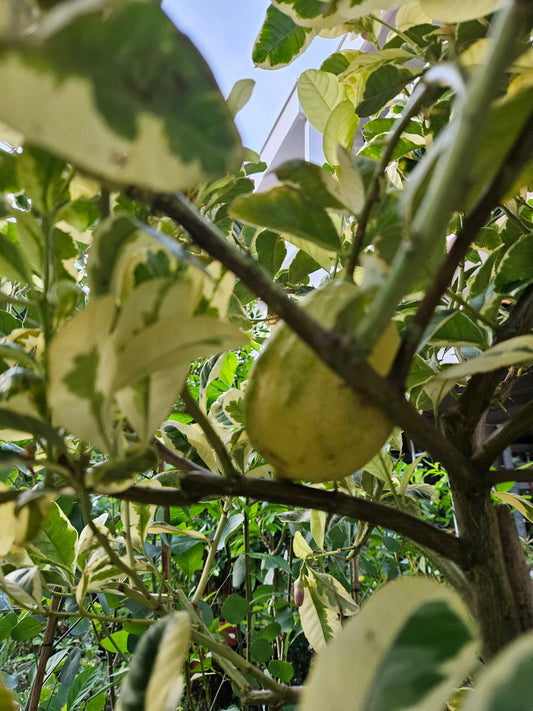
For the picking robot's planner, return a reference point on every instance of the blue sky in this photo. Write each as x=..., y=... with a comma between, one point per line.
x=224, y=31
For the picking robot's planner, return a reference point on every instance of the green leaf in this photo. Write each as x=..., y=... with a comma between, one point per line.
x=316, y=184
x=279, y=41
x=57, y=541
x=41, y=174
x=27, y=628
x=116, y=642
x=383, y=85
x=26, y=423
x=319, y=93
x=505, y=685
x=154, y=678
x=235, y=609
x=271, y=251
x=240, y=95
x=160, y=123
x=411, y=644
x=261, y=650
x=7, y=622
x=514, y=270
x=506, y=119
x=281, y=670
x=12, y=263
x=339, y=130
x=118, y=474
x=457, y=329
x=286, y=210
x=453, y=11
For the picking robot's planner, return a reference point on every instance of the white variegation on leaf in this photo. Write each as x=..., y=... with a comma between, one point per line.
x=319, y=15
x=411, y=644
x=155, y=125
x=82, y=369
x=325, y=606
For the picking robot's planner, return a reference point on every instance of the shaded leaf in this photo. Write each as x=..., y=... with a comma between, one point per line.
x=411, y=645
x=383, y=85
x=286, y=210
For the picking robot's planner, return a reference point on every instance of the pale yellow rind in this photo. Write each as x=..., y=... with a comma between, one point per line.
x=300, y=415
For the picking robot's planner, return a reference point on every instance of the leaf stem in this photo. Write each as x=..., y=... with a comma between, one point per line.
x=213, y=546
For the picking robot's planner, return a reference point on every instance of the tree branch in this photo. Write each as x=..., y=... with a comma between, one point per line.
x=508, y=433
x=201, y=485
x=473, y=222
x=499, y=476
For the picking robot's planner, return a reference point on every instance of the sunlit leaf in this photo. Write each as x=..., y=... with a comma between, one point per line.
x=458, y=11
x=518, y=502
x=57, y=541
x=319, y=93
x=301, y=548
x=82, y=369
x=325, y=605
x=239, y=95
x=339, y=130
x=279, y=41
x=160, y=123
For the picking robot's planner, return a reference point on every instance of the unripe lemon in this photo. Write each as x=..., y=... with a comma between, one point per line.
x=300, y=415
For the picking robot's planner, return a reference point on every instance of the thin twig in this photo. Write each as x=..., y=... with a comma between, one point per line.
x=417, y=100
x=44, y=656
x=208, y=566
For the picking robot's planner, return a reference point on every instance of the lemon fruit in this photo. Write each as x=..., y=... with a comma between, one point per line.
x=300, y=415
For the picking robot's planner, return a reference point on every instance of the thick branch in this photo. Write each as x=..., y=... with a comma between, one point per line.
x=200, y=485
x=334, y=349
x=518, y=155
x=508, y=433
x=499, y=476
